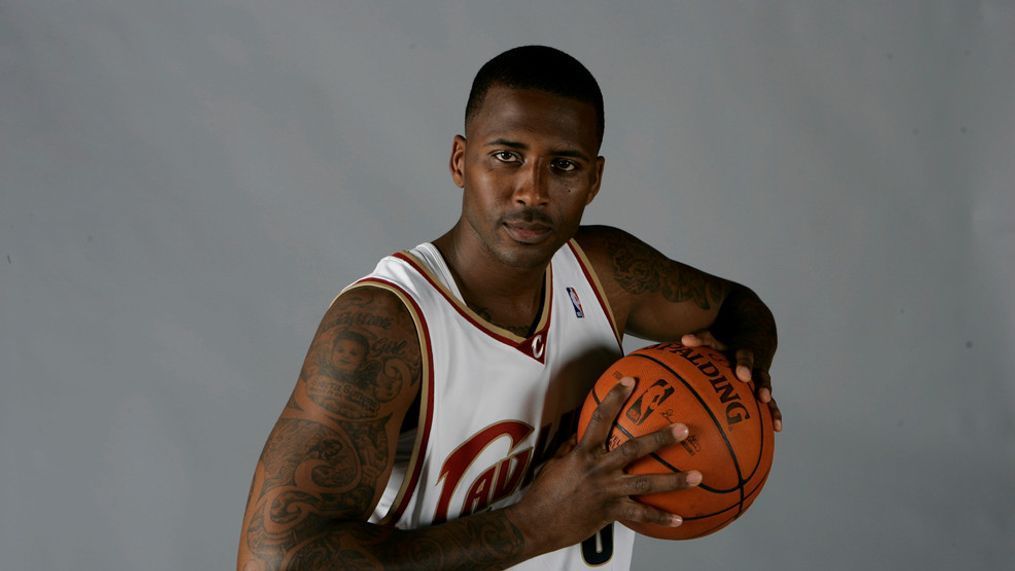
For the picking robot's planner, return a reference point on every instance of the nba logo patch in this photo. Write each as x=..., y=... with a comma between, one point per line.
x=577, y=303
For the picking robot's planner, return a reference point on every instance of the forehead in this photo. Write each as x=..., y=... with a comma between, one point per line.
x=522, y=114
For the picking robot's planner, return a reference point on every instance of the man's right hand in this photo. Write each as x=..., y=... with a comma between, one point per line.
x=584, y=487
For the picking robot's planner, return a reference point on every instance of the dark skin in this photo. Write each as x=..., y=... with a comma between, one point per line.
x=528, y=167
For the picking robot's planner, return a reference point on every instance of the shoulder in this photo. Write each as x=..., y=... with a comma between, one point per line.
x=598, y=241
x=368, y=305
x=367, y=341
x=608, y=251
x=614, y=253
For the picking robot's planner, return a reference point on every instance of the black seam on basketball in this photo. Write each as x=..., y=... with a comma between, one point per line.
x=729, y=446
x=720, y=526
x=713, y=514
x=757, y=489
x=763, y=480
x=761, y=435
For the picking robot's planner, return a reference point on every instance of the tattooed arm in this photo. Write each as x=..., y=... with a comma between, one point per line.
x=656, y=298
x=330, y=454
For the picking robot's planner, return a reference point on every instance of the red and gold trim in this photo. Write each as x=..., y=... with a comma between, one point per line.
x=597, y=286
x=426, y=404
x=527, y=345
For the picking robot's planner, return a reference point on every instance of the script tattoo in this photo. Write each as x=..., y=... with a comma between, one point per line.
x=638, y=268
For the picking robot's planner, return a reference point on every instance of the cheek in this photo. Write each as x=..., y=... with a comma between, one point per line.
x=483, y=191
x=570, y=213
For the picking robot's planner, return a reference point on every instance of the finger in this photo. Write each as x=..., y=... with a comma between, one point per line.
x=604, y=415
x=567, y=446
x=644, y=484
x=703, y=337
x=691, y=340
x=745, y=364
x=776, y=415
x=764, y=385
x=635, y=448
x=630, y=510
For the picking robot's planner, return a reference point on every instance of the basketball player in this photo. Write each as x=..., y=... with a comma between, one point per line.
x=451, y=447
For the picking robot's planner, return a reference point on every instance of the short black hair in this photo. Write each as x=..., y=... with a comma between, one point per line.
x=541, y=68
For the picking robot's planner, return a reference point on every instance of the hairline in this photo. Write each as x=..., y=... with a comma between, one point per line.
x=507, y=85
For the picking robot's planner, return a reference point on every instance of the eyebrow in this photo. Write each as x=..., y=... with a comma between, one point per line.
x=574, y=153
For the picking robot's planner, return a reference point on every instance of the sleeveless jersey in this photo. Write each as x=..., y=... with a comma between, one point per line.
x=494, y=406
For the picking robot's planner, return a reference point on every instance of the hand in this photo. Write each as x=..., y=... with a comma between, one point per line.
x=584, y=486
x=747, y=369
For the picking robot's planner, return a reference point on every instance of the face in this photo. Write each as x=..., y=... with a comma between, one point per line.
x=348, y=355
x=528, y=167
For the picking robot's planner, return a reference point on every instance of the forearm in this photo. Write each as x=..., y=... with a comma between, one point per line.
x=488, y=540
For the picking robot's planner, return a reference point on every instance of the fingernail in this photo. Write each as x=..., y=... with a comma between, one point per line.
x=676, y=520
x=680, y=431
x=693, y=478
x=627, y=382
x=743, y=373
x=777, y=424
x=765, y=395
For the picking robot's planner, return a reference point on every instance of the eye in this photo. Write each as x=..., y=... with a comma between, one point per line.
x=565, y=165
x=506, y=157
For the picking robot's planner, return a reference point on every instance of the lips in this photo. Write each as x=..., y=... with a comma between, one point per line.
x=527, y=232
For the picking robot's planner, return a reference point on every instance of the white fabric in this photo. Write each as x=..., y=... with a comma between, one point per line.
x=486, y=381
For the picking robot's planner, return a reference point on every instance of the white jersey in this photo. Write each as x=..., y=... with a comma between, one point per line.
x=494, y=406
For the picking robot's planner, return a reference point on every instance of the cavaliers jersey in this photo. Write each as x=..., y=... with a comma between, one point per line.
x=495, y=406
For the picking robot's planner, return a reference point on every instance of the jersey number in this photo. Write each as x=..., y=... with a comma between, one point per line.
x=598, y=549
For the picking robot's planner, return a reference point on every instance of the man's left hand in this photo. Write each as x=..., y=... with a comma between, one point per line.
x=747, y=368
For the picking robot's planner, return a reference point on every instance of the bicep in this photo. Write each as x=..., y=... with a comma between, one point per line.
x=653, y=296
x=332, y=449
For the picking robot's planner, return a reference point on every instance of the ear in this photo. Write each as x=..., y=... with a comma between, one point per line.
x=457, y=162
x=598, y=174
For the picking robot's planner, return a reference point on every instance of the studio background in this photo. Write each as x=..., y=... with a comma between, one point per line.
x=184, y=186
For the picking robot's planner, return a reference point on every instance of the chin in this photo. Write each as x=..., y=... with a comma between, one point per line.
x=527, y=256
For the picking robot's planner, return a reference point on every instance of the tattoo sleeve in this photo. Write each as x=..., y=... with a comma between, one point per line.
x=328, y=458
x=640, y=269
x=651, y=295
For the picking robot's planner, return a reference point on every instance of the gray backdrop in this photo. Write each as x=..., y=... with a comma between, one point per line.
x=184, y=185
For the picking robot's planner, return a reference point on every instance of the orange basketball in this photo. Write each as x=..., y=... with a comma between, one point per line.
x=731, y=440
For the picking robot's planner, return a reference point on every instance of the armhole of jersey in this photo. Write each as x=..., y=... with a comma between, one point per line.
x=426, y=404
x=597, y=286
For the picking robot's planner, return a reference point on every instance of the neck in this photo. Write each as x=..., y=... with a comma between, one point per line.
x=485, y=280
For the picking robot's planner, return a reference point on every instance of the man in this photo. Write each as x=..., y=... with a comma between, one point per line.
x=436, y=448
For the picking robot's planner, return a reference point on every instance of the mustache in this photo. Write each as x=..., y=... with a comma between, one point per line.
x=528, y=216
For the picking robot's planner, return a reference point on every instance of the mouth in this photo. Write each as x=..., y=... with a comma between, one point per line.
x=527, y=232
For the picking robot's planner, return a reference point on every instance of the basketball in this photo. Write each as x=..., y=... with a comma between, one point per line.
x=731, y=441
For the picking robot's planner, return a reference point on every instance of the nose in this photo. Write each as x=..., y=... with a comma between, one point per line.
x=531, y=189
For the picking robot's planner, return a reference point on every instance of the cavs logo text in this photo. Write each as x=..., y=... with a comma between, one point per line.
x=506, y=475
